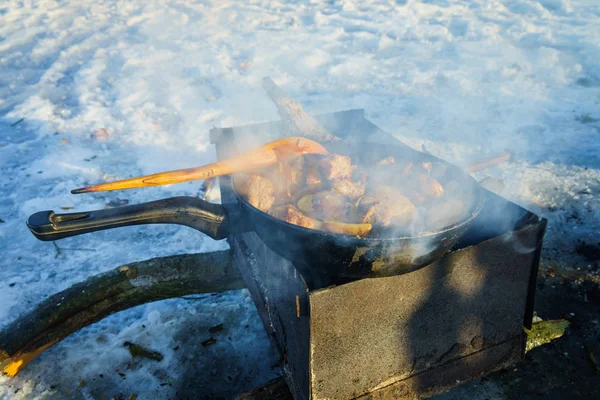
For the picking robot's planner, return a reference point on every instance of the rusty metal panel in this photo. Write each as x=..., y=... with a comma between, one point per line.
x=372, y=333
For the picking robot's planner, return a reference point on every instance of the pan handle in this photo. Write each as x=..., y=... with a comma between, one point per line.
x=209, y=218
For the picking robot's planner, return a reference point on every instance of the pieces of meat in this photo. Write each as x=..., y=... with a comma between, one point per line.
x=353, y=187
x=427, y=166
x=289, y=213
x=326, y=205
x=297, y=174
x=293, y=176
x=368, y=215
x=416, y=182
x=313, y=175
x=258, y=190
x=335, y=166
x=386, y=161
x=348, y=188
x=430, y=186
x=407, y=168
x=417, y=179
x=329, y=193
x=413, y=170
x=330, y=205
x=393, y=208
x=347, y=229
x=287, y=177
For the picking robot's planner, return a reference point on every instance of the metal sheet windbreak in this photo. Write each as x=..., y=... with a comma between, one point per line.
x=372, y=333
x=400, y=337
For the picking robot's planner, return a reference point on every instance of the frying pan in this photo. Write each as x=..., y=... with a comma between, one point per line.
x=323, y=258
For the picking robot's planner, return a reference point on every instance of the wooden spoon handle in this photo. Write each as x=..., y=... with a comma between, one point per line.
x=188, y=174
x=268, y=154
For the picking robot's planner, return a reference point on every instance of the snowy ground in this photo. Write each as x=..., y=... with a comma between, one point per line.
x=99, y=90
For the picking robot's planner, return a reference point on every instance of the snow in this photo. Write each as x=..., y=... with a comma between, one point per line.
x=112, y=89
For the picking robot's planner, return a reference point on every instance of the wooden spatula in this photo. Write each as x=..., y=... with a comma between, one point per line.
x=268, y=154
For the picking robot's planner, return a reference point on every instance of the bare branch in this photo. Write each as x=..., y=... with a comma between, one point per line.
x=99, y=296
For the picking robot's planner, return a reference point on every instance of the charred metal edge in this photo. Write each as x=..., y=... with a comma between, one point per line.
x=215, y=133
x=530, y=302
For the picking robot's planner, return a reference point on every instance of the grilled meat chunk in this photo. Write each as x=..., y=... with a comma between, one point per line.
x=392, y=208
x=296, y=166
x=347, y=229
x=386, y=161
x=418, y=179
x=329, y=193
x=330, y=205
x=259, y=191
x=368, y=214
x=348, y=188
x=289, y=213
x=430, y=186
x=293, y=175
x=325, y=205
x=313, y=175
x=414, y=181
x=287, y=177
x=335, y=166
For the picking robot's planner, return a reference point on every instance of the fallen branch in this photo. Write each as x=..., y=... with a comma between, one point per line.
x=293, y=115
x=139, y=351
x=489, y=163
x=99, y=296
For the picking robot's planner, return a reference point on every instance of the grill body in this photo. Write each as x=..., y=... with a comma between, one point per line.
x=403, y=336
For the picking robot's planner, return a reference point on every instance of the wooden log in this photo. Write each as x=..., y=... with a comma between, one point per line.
x=99, y=296
x=291, y=112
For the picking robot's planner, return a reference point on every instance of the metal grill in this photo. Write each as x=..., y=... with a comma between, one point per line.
x=404, y=336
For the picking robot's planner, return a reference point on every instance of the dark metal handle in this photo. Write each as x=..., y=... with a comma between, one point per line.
x=209, y=218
